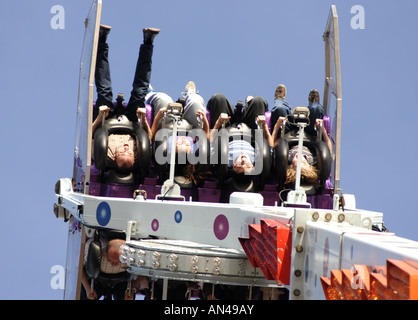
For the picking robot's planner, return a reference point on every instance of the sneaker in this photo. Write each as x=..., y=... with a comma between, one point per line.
x=190, y=88
x=248, y=99
x=280, y=92
x=120, y=97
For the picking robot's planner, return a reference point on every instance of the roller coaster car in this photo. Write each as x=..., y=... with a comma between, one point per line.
x=318, y=148
x=121, y=125
x=262, y=156
x=162, y=146
x=94, y=258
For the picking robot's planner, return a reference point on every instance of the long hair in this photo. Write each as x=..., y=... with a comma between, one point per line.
x=310, y=175
x=195, y=172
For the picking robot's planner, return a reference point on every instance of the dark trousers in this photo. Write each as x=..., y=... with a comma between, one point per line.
x=117, y=292
x=218, y=104
x=139, y=86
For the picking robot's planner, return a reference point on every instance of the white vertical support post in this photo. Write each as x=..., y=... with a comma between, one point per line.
x=332, y=87
x=339, y=100
x=173, y=150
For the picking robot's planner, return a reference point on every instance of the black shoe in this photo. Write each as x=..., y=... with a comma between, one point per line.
x=119, y=104
x=238, y=112
x=149, y=35
x=103, y=32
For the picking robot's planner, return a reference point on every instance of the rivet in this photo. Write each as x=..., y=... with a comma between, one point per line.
x=172, y=267
x=172, y=257
x=195, y=259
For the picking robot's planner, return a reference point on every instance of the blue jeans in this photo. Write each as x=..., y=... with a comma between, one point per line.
x=316, y=111
x=139, y=86
x=193, y=103
x=281, y=108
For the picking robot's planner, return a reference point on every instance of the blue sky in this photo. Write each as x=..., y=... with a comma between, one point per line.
x=236, y=47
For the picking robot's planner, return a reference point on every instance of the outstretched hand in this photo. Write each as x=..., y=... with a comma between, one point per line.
x=319, y=123
x=261, y=121
x=280, y=122
x=141, y=113
x=129, y=294
x=92, y=295
x=202, y=115
x=160, y=113
x=103, y=111
x=223, y=118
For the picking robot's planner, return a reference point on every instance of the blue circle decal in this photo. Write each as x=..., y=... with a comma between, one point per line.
x=103, y=213
x=178, y=216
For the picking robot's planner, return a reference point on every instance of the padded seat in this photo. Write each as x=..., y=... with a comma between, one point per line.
x=263, y=158
x=317, y=147
x=121, y=125
x=94, y=258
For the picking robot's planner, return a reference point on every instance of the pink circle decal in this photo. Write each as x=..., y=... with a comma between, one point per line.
x=155, y=225
x=221, y=227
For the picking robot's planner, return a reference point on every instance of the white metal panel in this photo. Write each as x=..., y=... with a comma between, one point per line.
x=322, y=255
x=332, y=89
x=373, y=249
x=335, y=246
x=210, y=223
x=82, y=148
x=72, y=261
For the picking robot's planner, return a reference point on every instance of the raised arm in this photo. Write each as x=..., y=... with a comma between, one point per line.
x=223, y=118
x=103, y=112
x=141, y=113
x=271, y=138
x=205, y=121
x=320, y=126
x=155, y=123
x=262, y=124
